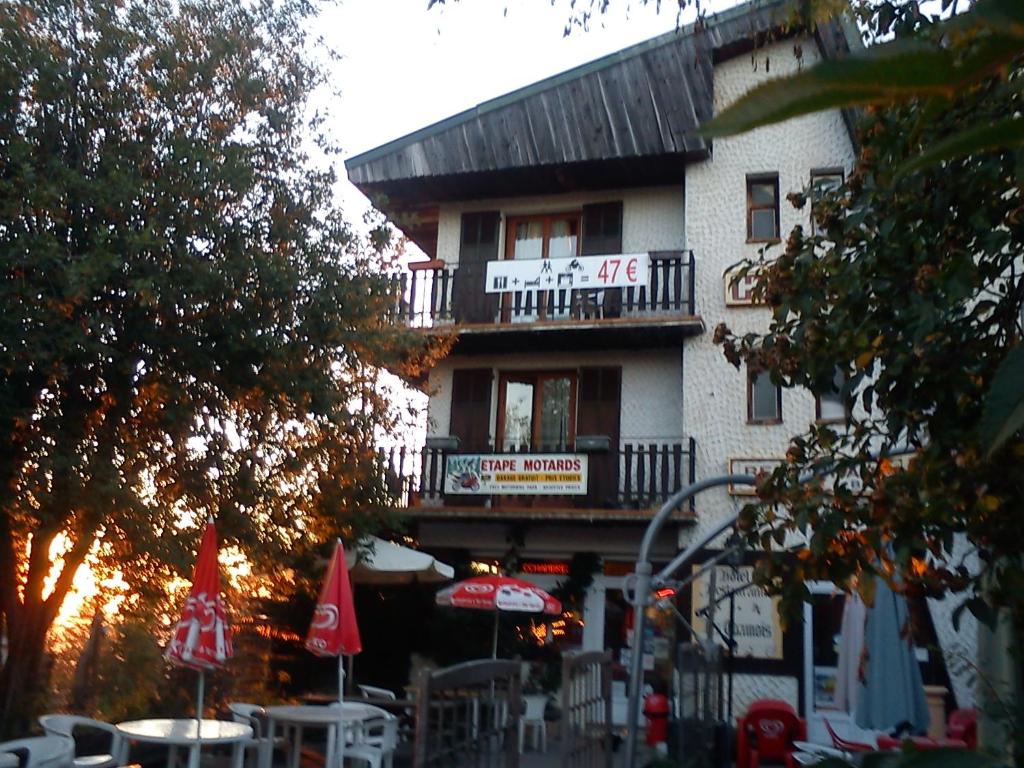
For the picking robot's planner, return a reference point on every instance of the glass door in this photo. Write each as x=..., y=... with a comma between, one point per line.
x=537, y=412
x=537, y=238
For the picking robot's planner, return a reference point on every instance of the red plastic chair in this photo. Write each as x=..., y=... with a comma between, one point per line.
x=963, y=726
x=845, y=744
x=766, y=734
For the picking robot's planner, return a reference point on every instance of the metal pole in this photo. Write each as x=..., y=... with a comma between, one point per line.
x=199, y=706
x=709, y=642
x=341, y=678
x=644, y=579
x=643, y=585
x=494, y=639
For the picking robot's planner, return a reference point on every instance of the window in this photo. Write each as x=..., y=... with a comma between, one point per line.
x=537, y=411
x=552, y=236
x=830, y=406
x=764, y=399
x=543, y=237
x=823, y=181
x=763, y=208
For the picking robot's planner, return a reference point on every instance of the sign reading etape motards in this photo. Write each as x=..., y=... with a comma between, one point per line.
x=622, y=270
x=516, y=474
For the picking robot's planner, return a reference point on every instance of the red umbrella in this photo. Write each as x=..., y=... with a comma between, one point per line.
x=334, y=631
x=202, y=639
x=498, y=593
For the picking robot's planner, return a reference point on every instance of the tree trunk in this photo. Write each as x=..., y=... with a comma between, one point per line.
x=22, y=690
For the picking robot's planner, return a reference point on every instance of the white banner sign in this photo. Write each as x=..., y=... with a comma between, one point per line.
x=516, y=473
x=756, y=627
x=579, y=272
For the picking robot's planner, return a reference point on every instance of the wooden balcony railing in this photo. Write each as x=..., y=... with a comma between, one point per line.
x=446, y=295
x=639, y=475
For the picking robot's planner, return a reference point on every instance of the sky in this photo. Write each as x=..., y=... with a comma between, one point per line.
x=404, y=67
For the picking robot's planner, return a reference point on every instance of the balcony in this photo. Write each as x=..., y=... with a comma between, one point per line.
x=625, y=484
x=452, y=299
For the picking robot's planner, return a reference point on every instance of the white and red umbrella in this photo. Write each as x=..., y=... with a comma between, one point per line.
x=202, y=639
x=498, y=593
x=333, y=630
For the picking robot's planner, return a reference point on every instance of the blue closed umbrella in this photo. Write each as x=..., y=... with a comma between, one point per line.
x=891, y=693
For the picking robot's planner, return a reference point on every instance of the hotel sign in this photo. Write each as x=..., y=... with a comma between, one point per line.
x=739, y=287
x=756, y=628
x=624, y=270
x=750, y=466
x=561, y=474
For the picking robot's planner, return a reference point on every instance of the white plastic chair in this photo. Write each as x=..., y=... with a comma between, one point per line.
x=42, y=751
x=65, y=725
x=373, y=692
x=255, y=717
x=377, y=742
x=534, y=717
x=353, y=729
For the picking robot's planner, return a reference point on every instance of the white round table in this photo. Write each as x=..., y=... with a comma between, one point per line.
x=333, y=718
x=183, y=732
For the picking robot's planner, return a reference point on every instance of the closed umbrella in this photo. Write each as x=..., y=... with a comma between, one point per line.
x=851, y=644
x=334, y=631
x=202, y=639
x=498, y=593
x=891, y=693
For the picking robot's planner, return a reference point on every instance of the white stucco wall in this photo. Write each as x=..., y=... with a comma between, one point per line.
x=652, y=218
x=652, y=397
x=715, y=393
x=714, y=397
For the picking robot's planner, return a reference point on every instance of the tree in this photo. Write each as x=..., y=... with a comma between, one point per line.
x=190, y=326
x=909, y=295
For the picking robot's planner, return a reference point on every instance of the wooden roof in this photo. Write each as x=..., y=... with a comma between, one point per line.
x=627, y=119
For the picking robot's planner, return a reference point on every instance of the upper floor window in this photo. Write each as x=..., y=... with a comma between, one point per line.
x=764, y=399
x=762, y=207
x=543, y=237
x=830, y=406
x=823, y=181
x=536, y=411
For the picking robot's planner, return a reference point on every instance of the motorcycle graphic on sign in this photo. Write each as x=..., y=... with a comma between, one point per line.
x=462, y=474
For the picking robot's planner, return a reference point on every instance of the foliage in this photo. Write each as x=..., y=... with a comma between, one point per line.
x=190, y=325
x=957, y=54
x=572, y=590
x=911, y=287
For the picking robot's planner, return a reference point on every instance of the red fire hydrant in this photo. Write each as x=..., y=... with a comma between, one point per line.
x=656, y=712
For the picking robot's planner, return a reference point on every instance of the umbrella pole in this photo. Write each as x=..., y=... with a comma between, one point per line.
x=494, y=641
x=341, y=678
x=199, y=705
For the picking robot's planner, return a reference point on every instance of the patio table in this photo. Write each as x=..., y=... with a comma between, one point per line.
x=184, y=732
x=8, y=760
x=330, y=718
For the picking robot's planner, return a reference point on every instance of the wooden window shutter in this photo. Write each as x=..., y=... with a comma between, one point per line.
x=597, y=413
x=602, y=234
x=602, y=229
x=471, y=408
x=478, y=244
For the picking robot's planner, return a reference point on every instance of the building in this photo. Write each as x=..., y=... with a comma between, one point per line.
x=580, y=236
